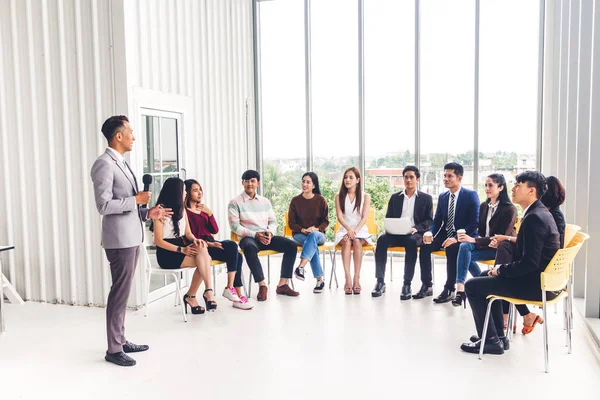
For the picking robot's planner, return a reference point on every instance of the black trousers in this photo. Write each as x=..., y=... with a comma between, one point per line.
x=229, y=253
x=251, y=247
x=479, y=288
x=451, y=256
x=410, y=243
x=504, y=255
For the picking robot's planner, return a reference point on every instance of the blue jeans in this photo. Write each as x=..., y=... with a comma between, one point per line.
x=310, y=250
x=468, y=254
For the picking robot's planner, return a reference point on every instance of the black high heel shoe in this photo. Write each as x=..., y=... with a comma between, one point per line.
x=460, y=300
x=210, y=305
x=195, y=310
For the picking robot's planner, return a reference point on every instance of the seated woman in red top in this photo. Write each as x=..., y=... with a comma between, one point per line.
x=203, y=225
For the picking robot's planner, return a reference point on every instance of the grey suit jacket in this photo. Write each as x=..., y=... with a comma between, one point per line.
x=122, y=222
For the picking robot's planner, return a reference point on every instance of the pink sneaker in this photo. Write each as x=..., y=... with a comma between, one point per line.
x=231, y=294
x=243, y=304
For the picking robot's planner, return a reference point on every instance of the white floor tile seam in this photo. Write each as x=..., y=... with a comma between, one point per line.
x=318, y=345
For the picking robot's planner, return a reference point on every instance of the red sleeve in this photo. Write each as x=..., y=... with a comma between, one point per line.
x=212, y=225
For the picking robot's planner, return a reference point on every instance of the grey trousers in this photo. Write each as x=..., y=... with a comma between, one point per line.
x=122, y=268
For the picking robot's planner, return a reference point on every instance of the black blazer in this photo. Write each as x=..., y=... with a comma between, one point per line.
x=537, y=242
x=466, y=216
x=501, y=223
x=423, y=213
x=559, y=218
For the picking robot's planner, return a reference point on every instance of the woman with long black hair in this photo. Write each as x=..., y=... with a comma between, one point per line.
x=497, y=215
x=177, y=247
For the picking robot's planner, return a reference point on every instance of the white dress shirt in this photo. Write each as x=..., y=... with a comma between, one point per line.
x=408, y=207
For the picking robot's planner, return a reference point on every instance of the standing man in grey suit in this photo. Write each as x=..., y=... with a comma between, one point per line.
x=119, y=202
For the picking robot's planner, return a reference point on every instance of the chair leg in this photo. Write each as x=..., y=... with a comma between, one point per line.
x=433, y=269
x=269, y=270
x=544, y=307
x=148, y=277
x=510, y=322
x=391, y=266
x=323, y=262
x=249, y=285
x=214, y=277
x=485, y=326
x=178, y=294
x=332, y=268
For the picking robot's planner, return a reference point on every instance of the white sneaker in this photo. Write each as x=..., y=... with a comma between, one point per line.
x=231, y=294
x=243, y=304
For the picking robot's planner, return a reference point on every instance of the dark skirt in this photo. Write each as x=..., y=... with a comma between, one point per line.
x=168, y=259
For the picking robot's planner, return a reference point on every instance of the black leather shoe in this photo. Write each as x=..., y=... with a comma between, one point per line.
x=129, y=347
x=120, y=358
x=488, y=348
x=406, y=293
x=378, y=290
x=423, y=292
x=460, y=299
x=444, y=297
x=504, y=339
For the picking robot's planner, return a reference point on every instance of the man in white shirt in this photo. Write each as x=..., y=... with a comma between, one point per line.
x=418, y=206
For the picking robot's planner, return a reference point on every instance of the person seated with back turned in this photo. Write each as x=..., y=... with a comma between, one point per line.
x=552, y=199
x=537, y=242
x=457, y=209
x=418, y=206
x=497, y=215
x=251, y=217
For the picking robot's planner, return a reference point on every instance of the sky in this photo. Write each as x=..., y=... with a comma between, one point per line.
x=509, y=33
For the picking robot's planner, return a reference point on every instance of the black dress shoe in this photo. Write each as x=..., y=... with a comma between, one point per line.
x=460, y=299
x=378, y=290
x=488, y=348
x=503, y=339
x=120, y=358
x=406, y=293
x=423, y=292
x=444, y=297
x=129, y=347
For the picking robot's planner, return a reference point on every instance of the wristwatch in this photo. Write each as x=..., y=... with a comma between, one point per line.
x=179, y=249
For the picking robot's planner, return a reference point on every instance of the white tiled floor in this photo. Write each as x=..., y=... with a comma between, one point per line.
x=315, y=346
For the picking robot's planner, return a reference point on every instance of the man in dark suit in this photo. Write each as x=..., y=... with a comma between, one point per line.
x=119, y=201
x=418, y=206
x=458, y=208
x=537, y=242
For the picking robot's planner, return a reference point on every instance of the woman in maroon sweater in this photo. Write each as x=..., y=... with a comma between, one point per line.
x=204, y=226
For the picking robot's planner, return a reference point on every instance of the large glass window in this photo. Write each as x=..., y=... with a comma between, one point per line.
x=283, y=101
x=389, y=44
x=447, y=90
x=508, y=89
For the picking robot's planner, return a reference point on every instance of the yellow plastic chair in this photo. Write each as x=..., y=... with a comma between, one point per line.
x=371, y=226
x=261, y=253
x=554, y=278
x=326, y=247
x=570, y=232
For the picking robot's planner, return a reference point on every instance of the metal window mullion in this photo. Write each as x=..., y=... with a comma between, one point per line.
x=540, y=110
x=361, y=87
x=476, y=101
x=417, y=84
x=308, y=84
x=257, y=89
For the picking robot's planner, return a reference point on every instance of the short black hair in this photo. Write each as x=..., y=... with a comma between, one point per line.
x=555, y=195
x=533, y=179
x=246, y=176
x=111, y=126
x=456, y=167
x=412, y=168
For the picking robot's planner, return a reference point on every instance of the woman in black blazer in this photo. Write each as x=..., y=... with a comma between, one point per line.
x=497, y=215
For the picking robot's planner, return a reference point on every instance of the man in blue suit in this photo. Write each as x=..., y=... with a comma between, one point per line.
x=458, y=208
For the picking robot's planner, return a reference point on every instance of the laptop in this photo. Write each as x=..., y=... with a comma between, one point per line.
x=398, y=226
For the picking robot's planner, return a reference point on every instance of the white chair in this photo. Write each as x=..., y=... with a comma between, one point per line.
x=175, y=273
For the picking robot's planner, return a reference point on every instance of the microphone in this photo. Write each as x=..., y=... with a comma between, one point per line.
x=147, y=179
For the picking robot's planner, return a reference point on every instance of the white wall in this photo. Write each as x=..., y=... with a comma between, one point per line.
x=65, y=66
x=572, y=127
